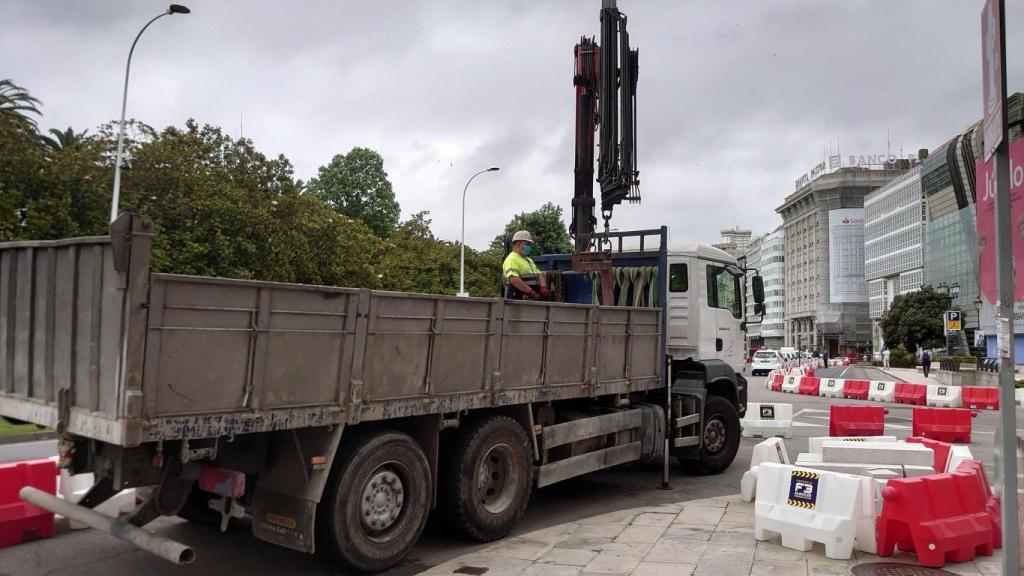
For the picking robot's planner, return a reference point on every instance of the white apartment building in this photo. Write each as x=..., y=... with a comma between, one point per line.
x=766, y=254
x=894, y=221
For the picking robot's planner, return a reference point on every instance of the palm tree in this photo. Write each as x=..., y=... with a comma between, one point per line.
x=62, y=140
x=17, y=103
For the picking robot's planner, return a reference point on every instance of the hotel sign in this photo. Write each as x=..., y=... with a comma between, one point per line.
x=835, y=162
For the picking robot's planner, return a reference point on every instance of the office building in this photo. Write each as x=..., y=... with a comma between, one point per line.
x=766, y=254
x=826, y=296
x=734, y=241
x=893, y=245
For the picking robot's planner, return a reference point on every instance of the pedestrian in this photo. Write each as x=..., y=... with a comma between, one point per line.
x=926, y=361
x=885, y=357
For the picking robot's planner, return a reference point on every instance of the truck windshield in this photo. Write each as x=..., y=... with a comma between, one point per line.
x=724, y=290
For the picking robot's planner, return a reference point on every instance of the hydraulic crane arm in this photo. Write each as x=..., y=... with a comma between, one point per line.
x=601, y=73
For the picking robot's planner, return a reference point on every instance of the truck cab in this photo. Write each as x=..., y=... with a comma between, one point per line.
x=705, y=305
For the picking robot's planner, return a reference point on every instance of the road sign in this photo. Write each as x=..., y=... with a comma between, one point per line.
x=954, y=321
x=992, y=75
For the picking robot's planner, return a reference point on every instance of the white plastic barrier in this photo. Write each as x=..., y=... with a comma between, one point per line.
x=958, y=453
x=771, y=450
x=814, y=443
x=764, y=420
x=831, y=388
x=791, y=383
x=944, y=396
x=882, y=391
x=886, y=471
x=73, y=488
x=806, y=506
x=878, y=453
x=1018, y=394
x=770, y=377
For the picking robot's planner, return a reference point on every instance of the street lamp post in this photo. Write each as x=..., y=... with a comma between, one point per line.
x=172, y=9
x=462, y=245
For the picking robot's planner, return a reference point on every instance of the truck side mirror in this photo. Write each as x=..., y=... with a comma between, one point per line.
x=757, y=285
x=759, y=309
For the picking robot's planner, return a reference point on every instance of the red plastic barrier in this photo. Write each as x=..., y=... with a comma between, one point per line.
x=941, y=450
x=809, y=385
x=21, y=521
x=945, y=424
x=991, y=500
x=775, y=383
x=940, y=517
x=856, y=389
x=980, y=397
x=910, y=393
x=856, y=420
x=810, y=371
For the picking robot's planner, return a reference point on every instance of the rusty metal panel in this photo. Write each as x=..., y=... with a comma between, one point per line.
x=465, y=335
x=522, y=344
x=398, y=338
x=567, y=336
x=612, y=342
x=308, y=335
x=204, y=330
x=646, y=355
x=61, y=311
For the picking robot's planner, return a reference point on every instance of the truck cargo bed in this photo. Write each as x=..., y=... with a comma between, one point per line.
x=90, y=337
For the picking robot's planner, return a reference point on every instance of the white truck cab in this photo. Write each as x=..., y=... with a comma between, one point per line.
x=705, y=305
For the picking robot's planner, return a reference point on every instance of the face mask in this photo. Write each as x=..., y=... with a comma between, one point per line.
x=527, y=250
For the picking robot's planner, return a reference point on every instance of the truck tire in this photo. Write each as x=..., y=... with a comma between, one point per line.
x=488, y=478
x=721, y=438
x=377, y=502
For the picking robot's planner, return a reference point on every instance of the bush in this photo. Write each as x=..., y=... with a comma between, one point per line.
x=900, y=358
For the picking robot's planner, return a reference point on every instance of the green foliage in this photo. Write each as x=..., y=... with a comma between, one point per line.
x=900, y=358
x=16, y=103
x=915, y=320
x=221, y=208
x=546, y=225
x=356, y=185
x=61, y=139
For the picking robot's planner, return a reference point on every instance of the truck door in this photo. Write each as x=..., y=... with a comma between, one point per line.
x=683, y=313
x=725, y=303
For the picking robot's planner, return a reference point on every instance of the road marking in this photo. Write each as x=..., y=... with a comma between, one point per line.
x=843, y=372
x=809, y=410
x=807, y=425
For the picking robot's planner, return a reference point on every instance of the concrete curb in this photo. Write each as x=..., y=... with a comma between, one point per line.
x=30, y=437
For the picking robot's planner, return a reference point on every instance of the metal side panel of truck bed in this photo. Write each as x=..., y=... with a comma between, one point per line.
x=92, y=340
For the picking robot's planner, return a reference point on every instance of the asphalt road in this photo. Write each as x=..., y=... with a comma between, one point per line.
x=90, y=553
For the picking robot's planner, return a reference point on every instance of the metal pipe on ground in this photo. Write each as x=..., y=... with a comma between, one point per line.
x=165, y=548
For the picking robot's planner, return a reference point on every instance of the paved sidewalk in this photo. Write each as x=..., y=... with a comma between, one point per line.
x=712, y=537
x=914, y=375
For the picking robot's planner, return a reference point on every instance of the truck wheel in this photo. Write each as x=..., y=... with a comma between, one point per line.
x=377, y=501
x=488, y=478
x=721, y=438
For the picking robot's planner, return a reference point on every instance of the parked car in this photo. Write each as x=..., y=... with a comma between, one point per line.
x=765, y=361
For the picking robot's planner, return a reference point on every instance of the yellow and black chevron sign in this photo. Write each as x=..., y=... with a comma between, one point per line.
x=767, y=412
x=803, y=489
x=855, y=439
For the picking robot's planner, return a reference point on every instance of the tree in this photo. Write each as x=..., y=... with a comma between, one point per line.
x=356, y=185
x=63, y=139
x=915, y=319
x=17, y=103
x=547, y=227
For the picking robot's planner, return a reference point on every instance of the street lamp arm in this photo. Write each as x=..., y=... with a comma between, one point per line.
x=462, y=243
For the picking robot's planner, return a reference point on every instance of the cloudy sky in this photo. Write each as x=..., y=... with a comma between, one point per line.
x=736, y=99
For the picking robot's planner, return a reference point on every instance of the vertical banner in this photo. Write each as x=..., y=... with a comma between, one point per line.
x=986, y=186
x=846, y=282
x=992, y=78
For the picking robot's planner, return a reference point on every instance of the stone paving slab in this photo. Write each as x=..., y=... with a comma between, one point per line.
x=712, y=537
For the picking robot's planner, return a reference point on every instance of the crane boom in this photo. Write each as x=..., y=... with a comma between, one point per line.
x=605, y=80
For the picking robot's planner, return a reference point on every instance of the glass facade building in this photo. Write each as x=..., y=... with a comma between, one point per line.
x=893, y=245
x=767, y=254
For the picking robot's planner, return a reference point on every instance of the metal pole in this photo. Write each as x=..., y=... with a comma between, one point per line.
x=174, y=552
x=462, y=243
x=1006, y=450
x=120, y=133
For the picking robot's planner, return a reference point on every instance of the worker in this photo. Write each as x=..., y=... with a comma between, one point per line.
x=518, y=265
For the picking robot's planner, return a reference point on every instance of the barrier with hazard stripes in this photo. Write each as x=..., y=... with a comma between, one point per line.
x=805, y=506
x=767, y=419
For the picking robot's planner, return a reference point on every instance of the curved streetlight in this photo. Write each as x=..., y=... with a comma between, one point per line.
x=462, y=245
x=172, y=9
